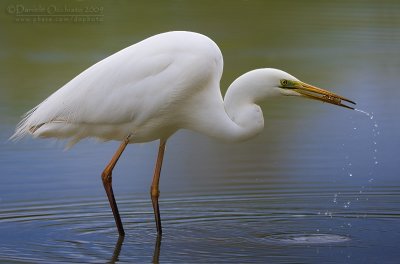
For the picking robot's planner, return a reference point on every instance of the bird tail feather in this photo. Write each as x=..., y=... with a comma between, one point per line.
x=25, y=126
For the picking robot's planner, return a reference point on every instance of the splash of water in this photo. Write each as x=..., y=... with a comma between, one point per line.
x=375, y=131
x=349, y=170
x=365, y=113
x=306, y=239
x=375, y=162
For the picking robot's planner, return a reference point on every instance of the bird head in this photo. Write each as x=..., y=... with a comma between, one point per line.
x=257, y=85
x=291, y=86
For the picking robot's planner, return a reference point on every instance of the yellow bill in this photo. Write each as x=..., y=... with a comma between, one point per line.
x=316, y=93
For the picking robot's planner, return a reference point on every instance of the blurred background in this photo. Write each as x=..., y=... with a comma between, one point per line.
x=317, y=171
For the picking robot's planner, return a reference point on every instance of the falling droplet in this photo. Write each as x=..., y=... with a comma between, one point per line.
x=375, y=134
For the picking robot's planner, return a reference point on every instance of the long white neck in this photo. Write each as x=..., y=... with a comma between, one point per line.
x=244, y=112
x=238, y=117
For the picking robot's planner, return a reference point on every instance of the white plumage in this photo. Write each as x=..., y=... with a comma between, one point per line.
x=133, y=91
x=150, y=90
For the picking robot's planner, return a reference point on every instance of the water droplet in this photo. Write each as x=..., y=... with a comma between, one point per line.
x=335, y=198
x=361, y=111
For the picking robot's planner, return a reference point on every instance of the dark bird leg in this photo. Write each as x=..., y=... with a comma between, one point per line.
x=156, y=253
x=117, y=250
x=154, y=190
x=106, y=176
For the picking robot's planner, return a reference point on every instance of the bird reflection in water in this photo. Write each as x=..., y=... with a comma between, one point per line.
x=120, y=242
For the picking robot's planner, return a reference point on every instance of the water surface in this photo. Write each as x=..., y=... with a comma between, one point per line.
x=319, y=185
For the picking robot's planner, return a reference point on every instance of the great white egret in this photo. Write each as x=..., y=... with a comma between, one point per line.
x=153, y=88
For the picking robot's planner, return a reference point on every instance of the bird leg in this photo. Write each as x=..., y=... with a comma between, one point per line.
x=106, y=176
x=157, y=247
x=154, y=190
x=117, y=250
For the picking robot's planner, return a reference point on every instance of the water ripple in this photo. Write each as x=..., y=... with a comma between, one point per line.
x=178, y=210
x=306, y=238
x=83, y=228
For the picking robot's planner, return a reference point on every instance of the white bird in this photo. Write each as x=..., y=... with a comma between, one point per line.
x=155, y=87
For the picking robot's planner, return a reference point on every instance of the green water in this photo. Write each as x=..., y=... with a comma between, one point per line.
x=319, y=185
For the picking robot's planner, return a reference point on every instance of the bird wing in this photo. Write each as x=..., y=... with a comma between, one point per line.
x=111, y=91
x=133, y=86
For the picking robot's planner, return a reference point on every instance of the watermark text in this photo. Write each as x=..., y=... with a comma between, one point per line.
x=55, y=13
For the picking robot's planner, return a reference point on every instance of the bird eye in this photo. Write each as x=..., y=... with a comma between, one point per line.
x=284, y=82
